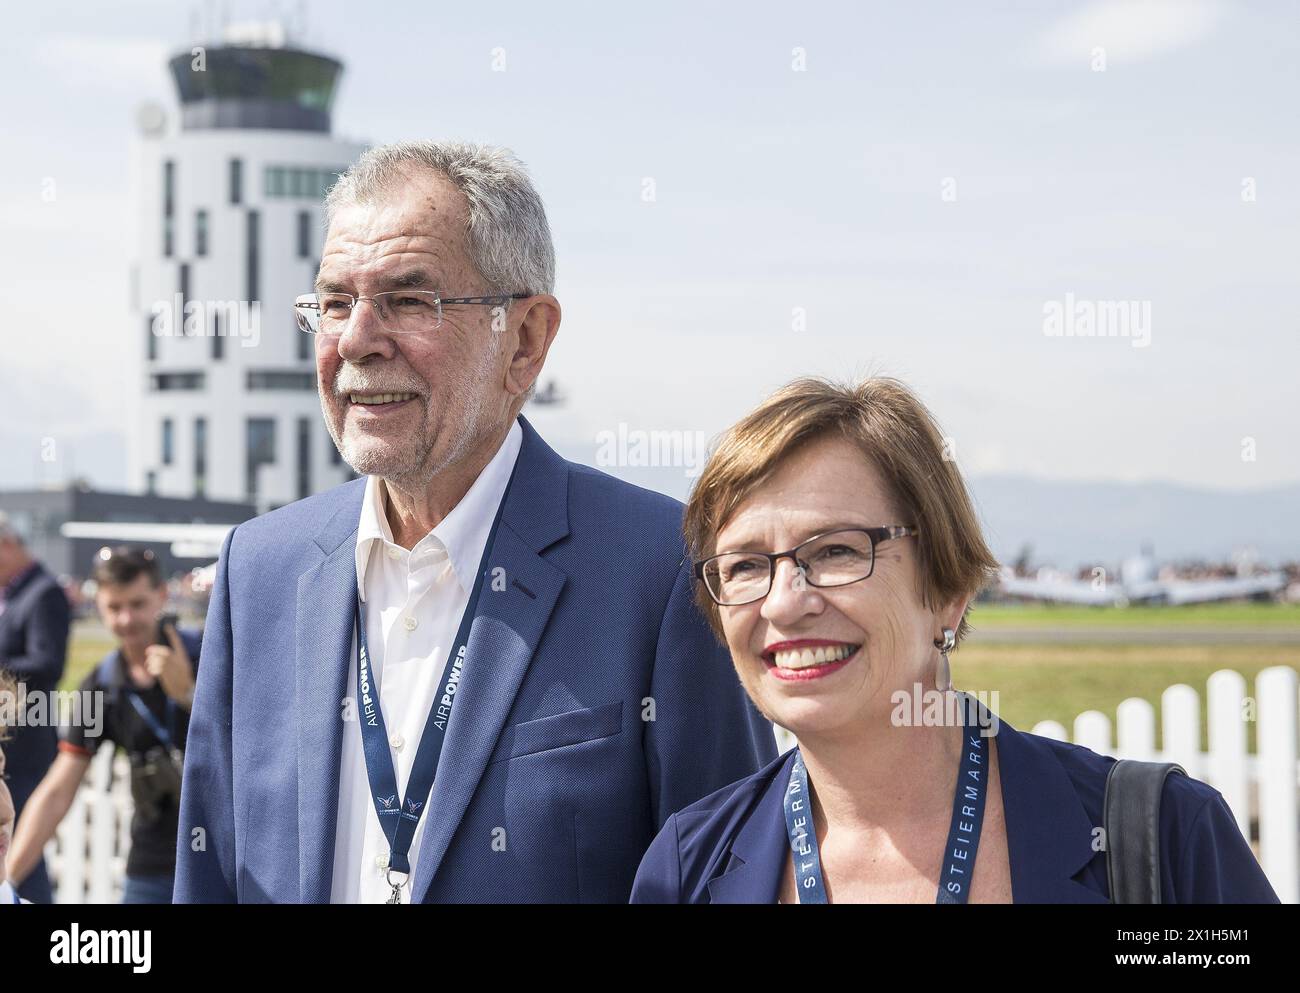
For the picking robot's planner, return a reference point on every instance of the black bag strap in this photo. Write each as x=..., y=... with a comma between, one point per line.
x=1131, y=816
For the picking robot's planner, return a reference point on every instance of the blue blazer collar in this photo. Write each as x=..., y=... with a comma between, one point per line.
x=1049, y=833
x=504, y=635
x=757, y=860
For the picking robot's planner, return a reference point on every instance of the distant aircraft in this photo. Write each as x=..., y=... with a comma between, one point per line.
x=1139, y=582
x=549, y=395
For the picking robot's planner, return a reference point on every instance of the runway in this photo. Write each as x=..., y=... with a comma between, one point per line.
x=1136, y=636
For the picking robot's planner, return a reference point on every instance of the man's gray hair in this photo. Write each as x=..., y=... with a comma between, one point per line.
x=509, y=239
x=9, y=531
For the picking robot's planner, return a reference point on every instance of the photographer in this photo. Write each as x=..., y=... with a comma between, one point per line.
x=141, y=693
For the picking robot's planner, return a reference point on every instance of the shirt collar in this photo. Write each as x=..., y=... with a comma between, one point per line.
x=461, y=535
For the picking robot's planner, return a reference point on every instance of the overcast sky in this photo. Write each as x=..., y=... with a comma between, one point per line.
x=919, y=181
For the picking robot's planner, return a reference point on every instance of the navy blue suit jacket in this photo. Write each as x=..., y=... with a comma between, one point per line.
x=549, y=748
x=34, y=648
x=731, y=847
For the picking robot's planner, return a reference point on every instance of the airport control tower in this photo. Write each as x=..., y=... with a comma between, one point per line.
x=229, y=188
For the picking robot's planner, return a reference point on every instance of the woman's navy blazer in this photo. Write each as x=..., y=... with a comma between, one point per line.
x=731, y=846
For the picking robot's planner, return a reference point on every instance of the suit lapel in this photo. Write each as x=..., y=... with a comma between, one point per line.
x=505, y=633
x=326, y=603
x=757, y=858
x=519, y=594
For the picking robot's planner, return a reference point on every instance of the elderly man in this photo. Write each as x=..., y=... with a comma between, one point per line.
x=34, y=621
x=474, y=606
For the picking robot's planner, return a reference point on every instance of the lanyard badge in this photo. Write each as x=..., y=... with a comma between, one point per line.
x=963, y=835
x=400, y=815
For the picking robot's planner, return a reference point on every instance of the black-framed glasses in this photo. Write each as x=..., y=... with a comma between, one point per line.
x=398, y=311
x=834, y=558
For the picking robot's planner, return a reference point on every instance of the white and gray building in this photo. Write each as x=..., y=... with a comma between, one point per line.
x=229, y=191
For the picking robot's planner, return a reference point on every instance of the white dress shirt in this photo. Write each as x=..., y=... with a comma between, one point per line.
x=413, y=603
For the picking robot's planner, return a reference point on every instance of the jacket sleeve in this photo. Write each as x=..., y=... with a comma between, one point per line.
x=46, y=649
x=205, y=854
x=1214, y=863
x=659, y=878
x=705, y=733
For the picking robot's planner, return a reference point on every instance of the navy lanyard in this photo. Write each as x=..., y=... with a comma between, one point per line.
x=399, y=820
x=963, y=836
x=163, y=734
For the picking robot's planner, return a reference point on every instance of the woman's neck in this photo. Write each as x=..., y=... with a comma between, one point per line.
x=880, y=775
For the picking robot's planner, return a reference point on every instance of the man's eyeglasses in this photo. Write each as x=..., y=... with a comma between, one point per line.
x=398, y=311
x=836, y=558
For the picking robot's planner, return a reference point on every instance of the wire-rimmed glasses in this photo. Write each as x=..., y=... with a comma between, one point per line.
x=398, y=311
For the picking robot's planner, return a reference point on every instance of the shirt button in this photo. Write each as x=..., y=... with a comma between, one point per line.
x=409, y=622
x=393, y=553
x=381, y=861
x=397, y=741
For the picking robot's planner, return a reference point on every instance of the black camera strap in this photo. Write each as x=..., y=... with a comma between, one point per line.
x=166, y=735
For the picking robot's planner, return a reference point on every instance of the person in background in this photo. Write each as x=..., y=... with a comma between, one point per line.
x=146, y=686
x=8, y=706
x=34, y=620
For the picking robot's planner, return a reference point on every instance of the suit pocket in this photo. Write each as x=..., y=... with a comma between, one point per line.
x=560, y=730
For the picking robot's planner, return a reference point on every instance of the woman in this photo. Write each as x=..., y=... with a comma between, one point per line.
x=9, y=703
x=837, y=552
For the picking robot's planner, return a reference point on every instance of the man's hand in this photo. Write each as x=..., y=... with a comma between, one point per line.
x=171, y=666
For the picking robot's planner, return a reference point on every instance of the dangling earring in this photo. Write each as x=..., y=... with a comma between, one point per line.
x=942, y=671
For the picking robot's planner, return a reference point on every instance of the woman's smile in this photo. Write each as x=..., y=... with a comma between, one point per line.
x=808, y=658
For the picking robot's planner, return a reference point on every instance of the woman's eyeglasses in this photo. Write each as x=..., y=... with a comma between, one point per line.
x=836, y=558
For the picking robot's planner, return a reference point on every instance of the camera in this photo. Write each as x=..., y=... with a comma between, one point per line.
x=156, y=776
x=165, y=621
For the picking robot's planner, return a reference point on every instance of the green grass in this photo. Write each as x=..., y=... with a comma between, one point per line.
x=990, y=616
x=85, y=649
x=1037, y=682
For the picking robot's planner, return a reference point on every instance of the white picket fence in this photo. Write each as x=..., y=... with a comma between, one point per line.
x=1261, y=788
x=87, y=858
